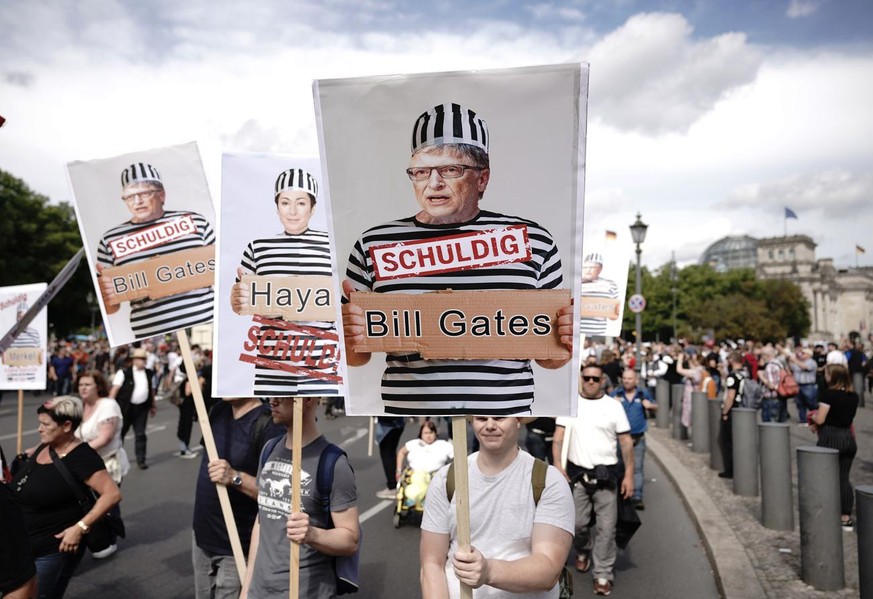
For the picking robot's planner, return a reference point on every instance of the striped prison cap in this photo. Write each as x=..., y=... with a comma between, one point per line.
x=449, y=124
x=296, y=178
x=594, y=258
x=138, y=173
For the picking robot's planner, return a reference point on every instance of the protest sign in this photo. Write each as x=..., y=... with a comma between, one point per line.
x=146, y=219
x=24, y=361
x=278, y=296
x=465, y=181
x=604, y=283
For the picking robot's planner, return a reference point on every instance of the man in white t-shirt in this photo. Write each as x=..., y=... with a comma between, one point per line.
x=592, y=469
x=519, y=546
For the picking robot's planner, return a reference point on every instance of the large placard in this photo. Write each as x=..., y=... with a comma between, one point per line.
x=147, y=222
x=418, y=210
x=277, y=291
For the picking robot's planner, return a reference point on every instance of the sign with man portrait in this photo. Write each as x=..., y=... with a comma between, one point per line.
x=278, y=293
x=458, y=203
x=147, y=222
x=24, y=361
x=604, y=283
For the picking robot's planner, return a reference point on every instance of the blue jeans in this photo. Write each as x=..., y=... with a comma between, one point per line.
x=774, y=410
x=639, y=478
x=806, y=400
x=54, y=571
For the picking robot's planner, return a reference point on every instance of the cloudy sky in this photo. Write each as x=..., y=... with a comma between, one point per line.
x=707, y=117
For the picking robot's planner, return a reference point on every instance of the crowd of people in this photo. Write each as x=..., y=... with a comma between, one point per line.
x=600, y=453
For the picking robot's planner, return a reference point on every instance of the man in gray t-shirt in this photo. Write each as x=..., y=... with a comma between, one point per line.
x=512, y=537
x=269, y=554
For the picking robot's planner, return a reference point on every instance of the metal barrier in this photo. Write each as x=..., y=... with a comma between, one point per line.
x=821, y=538
x=777, y=501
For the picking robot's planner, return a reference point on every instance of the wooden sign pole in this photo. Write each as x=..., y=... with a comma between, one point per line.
x=371, y=437
x=212, y=453
x=296, y=470
x=18, y=445
x=462, y=491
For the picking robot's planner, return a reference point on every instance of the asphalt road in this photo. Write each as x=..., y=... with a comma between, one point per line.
x=666, y=558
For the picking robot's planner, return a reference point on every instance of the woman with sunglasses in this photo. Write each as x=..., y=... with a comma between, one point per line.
x=54, y=519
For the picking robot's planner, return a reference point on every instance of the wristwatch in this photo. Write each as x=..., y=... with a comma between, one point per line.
x=236, y=481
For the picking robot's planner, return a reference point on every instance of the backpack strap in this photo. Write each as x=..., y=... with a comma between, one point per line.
x=268, y=449
x=537, y=480
x=324, y=476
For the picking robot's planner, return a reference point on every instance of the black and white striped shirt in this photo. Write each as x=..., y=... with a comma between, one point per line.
x=412, y=385
x=150, y=317
x=600, y=289
x=303, y=254
x=29, y=337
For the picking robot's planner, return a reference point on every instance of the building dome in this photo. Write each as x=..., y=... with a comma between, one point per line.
x=733, y=251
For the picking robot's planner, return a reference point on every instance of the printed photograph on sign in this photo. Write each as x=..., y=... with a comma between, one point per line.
x=456, y=195
x=277, y=293
x=604, y=283
x=147, y=221
x=24, y=361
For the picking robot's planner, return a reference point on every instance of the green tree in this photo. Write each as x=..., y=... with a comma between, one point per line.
x=729, y=305
x=37, y=239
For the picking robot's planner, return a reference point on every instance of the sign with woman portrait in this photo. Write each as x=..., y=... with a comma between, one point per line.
x=147, y=222
x=277, y=307
x=458, y=209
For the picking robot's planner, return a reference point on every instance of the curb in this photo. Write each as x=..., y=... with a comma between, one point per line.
x=734, y=572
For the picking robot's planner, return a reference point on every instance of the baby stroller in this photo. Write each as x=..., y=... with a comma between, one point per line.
x=411, y=490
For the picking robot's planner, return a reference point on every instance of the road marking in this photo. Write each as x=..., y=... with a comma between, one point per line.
x=375, y=510
x=362, y=432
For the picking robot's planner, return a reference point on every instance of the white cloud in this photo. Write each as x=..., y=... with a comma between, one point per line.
x=833, y=194
x=551, y=10
x=802, y=8
x=651, y=75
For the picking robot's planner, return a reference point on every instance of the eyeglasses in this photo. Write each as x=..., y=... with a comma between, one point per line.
x=145, y=195
x=448, y=171
x=589, y=379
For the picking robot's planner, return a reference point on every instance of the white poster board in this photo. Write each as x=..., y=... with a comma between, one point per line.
x=276, y=354
x=536, y=121
x=24, y=362
x=606, y=255
x=165, y=241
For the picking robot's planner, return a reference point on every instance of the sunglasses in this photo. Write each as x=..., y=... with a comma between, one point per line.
x=589, y=379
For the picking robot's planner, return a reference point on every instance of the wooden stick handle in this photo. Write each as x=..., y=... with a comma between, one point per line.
x=462, y=491
x=18, y=445
x=296, y=469
x=212, y=453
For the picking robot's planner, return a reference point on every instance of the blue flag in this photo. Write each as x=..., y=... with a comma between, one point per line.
x=789, y=213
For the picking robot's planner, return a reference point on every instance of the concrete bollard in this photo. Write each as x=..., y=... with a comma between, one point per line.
x=777, y=502
x=821, y=538
x=699, y=422
x=745, y=433
x=676, y=393
x=864, y=529
x=716, y=461
x=662, y=396
x=860, y=386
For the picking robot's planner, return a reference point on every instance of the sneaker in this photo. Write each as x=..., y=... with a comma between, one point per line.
x=104, y=553
x=847, y=525
x=583, y=562
x=142, y=465
x=725, y=474
x=187, y=455
x=639, y=505
x=387, y=494
x=602, y=586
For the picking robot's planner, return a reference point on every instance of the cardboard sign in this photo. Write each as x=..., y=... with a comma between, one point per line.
x=509, y=325
x=23, y=356
x=451, y=253
x=598, y=307
x=292, y=297
x=163, y=275
x=292, y=349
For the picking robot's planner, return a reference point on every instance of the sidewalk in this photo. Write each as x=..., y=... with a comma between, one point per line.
x=752, y=561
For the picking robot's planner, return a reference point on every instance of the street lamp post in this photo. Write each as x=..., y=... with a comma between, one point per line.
x=638, y=233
